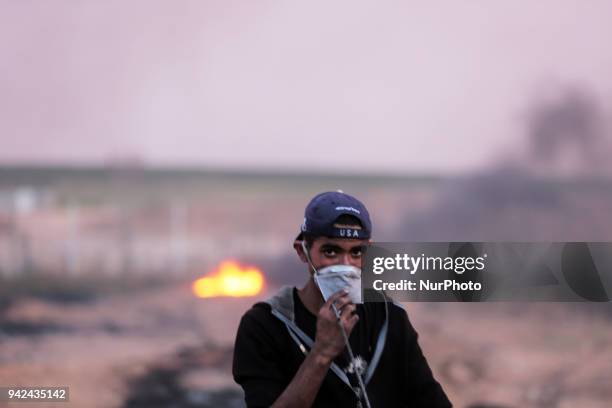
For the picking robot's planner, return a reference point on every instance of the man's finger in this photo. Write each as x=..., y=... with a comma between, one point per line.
x=342, y=302
x=337, y=295
x=350, y=323
x=347, y=313
x=326, y=309
x=347, y=309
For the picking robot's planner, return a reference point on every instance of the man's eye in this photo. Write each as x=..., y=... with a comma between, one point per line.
x=329, y=252
x=356, y=252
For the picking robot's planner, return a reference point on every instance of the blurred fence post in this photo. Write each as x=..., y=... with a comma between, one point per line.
x=177, y=226
x=23, y=200
x=73, y=244
x=125, y=241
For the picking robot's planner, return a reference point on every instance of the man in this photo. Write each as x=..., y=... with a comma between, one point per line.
x=290, y=350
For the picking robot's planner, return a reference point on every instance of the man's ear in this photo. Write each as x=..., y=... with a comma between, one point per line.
x=297, y=245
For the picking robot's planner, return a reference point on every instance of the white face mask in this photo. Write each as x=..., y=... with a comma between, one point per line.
x=335, y=277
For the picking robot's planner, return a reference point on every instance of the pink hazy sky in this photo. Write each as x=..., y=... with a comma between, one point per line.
x=381, y=86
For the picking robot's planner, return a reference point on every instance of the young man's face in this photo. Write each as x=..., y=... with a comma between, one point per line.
x=335, y=251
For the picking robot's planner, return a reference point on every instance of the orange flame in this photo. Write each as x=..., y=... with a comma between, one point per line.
x=230, y=279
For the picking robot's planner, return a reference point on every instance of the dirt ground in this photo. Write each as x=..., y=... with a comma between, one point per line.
x=137, y=350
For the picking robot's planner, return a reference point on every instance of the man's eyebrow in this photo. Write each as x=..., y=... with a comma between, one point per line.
x=336, y=248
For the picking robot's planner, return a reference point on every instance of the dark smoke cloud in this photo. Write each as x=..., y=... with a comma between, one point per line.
x=526, y=199
x=572, y=124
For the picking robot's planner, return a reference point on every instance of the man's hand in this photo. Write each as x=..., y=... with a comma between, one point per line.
x=329, y=341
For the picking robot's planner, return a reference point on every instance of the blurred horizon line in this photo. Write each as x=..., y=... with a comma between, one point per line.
x=55, y=169
x=204, y=169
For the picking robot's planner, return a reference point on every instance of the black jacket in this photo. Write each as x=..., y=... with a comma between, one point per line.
x=266, y=357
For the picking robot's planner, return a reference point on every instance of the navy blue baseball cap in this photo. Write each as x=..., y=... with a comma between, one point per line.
x=324, y=209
